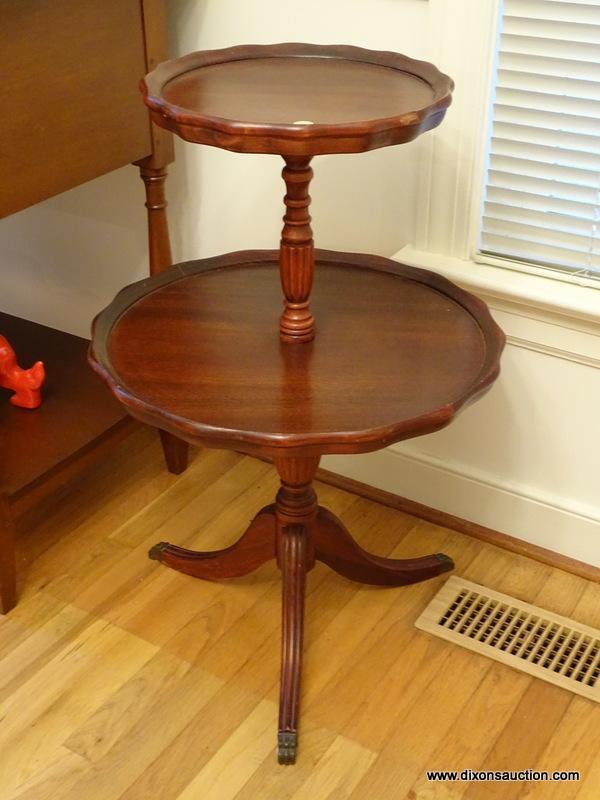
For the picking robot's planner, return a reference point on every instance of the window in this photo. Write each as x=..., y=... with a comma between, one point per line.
x=542, y=179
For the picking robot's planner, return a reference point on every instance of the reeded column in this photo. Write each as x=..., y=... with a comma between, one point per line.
x=295, y=510
x=296, y=253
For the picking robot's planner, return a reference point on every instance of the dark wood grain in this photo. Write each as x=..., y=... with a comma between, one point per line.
x=255, y=547
x=198, y=350
x=154, y=20
x=76, y=417
x=297, y=254
x=70, y=72
x=153, y=171
x=159, y=243
x=296, y=510
x=69, y=87
x=175, y=450
x=293, y=561
x=195, y=350
x=335, y=547
x=33, y=442
x=296, y=530
x=297, y=99
x=8, y=566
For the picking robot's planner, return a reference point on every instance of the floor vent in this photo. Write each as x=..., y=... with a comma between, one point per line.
x=531, y=639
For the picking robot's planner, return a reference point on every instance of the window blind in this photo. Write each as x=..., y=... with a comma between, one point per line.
x=542, y=193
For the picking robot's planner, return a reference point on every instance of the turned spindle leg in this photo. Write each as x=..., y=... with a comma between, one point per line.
x=296, y=253
x=159, y=244
x=296, y=509
x=175, y=450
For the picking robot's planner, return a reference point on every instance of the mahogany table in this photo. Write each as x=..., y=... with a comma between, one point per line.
x=386, y=351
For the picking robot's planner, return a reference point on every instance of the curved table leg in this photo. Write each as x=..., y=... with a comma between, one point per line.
x=335, y=547
x=252, y=549
x=293, y=563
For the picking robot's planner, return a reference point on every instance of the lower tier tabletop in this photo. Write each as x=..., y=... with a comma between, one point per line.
x=196, y=351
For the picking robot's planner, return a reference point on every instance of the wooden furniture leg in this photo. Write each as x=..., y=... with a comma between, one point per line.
x=297, y=531
x=297, y=253
x=176, y=451
x=8, y=567
x=159, y=243
x=335, y=547
x=293, y=563
x=296, y=509
x=252, y=549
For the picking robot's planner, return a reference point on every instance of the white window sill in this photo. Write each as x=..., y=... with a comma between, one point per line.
x=533, y=295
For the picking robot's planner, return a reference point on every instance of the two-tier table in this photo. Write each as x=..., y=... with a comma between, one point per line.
x=366, y=352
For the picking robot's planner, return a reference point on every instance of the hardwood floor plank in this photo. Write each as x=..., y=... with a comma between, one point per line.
x=344, y=681
x=36, y=648
x=61, y=771
x=27, y=618
x=113, y=720
x=123, y=680
x=193, y=748
x=237, y=759
x=337, y=772
x=442, y=686
x=124, y=574
x=588, y=788
x=143, y=744
x=103, y=496
x=205, y=469
x=574, y=745
x=272, y=780
x=486, y=712
x=39, y=715
x=539, y=711
x=575, y=742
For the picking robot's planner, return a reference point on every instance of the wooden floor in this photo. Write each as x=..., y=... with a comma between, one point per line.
x=122, y=679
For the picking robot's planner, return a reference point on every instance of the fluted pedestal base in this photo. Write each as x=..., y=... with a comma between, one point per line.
x=297, y=532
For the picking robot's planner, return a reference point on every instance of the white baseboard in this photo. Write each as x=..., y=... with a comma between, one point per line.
x=543, y=521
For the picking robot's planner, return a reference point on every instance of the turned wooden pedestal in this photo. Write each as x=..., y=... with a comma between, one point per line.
x=366, y=351
x=297, y=532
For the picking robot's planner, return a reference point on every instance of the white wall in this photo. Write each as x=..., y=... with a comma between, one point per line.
x=524, y=459
x=64, y=259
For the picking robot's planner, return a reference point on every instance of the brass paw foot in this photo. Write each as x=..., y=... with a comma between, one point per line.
x=156, y=550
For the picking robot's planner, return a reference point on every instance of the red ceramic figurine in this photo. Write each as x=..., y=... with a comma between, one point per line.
x=25, y=383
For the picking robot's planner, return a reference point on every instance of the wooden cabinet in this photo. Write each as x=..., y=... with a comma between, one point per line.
x=71, y=111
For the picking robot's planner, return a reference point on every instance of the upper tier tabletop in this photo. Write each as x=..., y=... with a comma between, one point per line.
x=195, y=350
x=297, y=99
